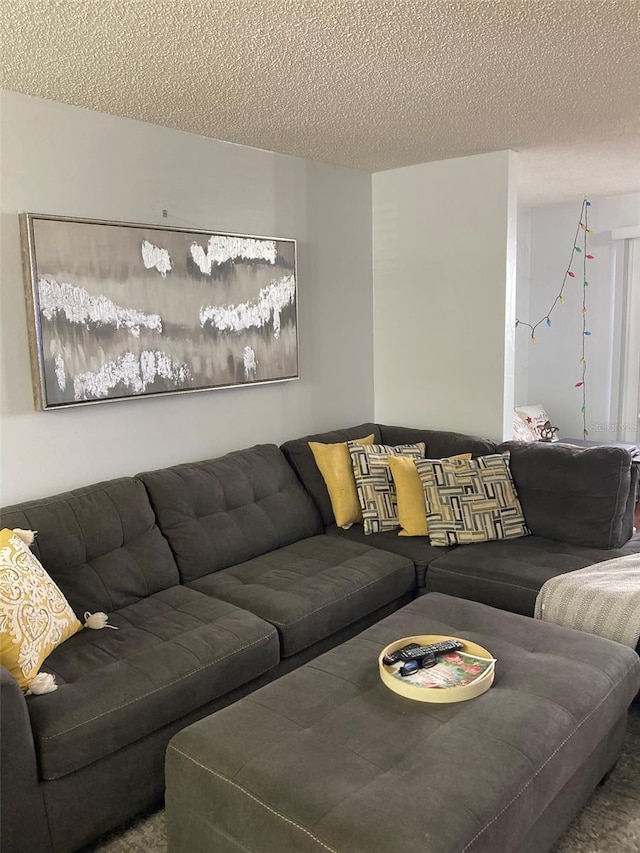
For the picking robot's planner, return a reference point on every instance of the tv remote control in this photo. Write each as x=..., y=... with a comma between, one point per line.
x=413, y=652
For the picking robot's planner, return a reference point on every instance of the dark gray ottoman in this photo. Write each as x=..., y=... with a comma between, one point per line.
x=329, y=759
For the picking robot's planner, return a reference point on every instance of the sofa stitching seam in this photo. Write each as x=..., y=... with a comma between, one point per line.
x=253, y=797
x=156, y=690
x=491, y=580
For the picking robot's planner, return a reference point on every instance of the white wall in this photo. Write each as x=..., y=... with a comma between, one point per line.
x=67, y=161
x=523, y=287
x=444, y=294
x=554, y=361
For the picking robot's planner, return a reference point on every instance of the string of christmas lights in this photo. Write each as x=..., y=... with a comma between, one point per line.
x=576, y=250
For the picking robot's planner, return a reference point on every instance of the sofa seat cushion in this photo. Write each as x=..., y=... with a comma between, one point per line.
x=509, y=574
x=416, y=548
x=173, y=652
x=314, y=587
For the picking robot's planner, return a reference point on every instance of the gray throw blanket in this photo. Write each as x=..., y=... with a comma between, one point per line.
x=602, y=599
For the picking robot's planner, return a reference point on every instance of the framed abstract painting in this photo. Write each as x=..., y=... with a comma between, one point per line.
x=122, y=310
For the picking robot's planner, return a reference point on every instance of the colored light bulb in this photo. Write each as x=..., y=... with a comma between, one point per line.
x=548, y=322
x=562, y=300
x=586, y=284
x=517, y=323
x=572, y=274
x=533, y=339
x=581, y=361
x=584, y=311
x=588, y=203
x=578, y=385
x=586, y=333
x=577, y=249
x=591, y=257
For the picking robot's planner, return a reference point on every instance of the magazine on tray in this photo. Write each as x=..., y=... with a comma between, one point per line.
x=454, y=669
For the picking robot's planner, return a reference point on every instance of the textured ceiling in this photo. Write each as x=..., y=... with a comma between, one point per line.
x=370, y=84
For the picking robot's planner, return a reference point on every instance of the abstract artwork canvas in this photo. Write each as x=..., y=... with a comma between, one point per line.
x=122, y=310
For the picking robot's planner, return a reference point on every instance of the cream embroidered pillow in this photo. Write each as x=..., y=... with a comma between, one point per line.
x=35, y=617
x=374, y=482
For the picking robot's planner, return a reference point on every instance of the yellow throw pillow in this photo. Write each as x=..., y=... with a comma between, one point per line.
x=35, y=617
x=334, y=463
x=412, y=513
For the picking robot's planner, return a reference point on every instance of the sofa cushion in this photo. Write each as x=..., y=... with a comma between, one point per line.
x=509, y=574
x=299, y=455
x=312, y=588
x=220, y=512
x=173, y=652
x=576, y=495
x=100, y=544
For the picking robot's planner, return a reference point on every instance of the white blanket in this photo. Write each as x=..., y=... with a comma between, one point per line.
x=603, y=599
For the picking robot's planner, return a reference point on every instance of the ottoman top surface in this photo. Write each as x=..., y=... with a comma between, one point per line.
x=327, y=757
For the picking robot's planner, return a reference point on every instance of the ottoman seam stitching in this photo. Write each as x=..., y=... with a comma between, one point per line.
x=157, y=690
x=542, y=766
x=253, y=797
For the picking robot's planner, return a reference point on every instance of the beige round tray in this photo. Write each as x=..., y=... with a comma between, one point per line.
x=435, y=694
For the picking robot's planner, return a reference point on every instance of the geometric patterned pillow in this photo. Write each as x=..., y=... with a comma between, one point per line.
x=35, y=617
x=374, y=482
x=471, y=501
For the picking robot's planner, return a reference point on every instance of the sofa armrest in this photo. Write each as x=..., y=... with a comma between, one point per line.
x=571, y=494
x=23, y=821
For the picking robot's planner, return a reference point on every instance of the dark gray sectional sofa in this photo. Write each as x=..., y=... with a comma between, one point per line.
x=578, y=503
x=221, y=575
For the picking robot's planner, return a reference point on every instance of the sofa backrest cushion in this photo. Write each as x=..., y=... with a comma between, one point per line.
x=301, y=459
x=220, y=512
x=100, y=544
x=575, y=495
x=440, y=443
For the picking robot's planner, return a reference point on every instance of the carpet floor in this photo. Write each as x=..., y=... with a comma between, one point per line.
x=609, y=822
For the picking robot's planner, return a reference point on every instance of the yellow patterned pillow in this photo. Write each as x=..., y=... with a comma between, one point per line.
x=35, y=617
x=334, y=463
x=412, y=513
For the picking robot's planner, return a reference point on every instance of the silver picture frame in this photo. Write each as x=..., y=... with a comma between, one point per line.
x=122, y=310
